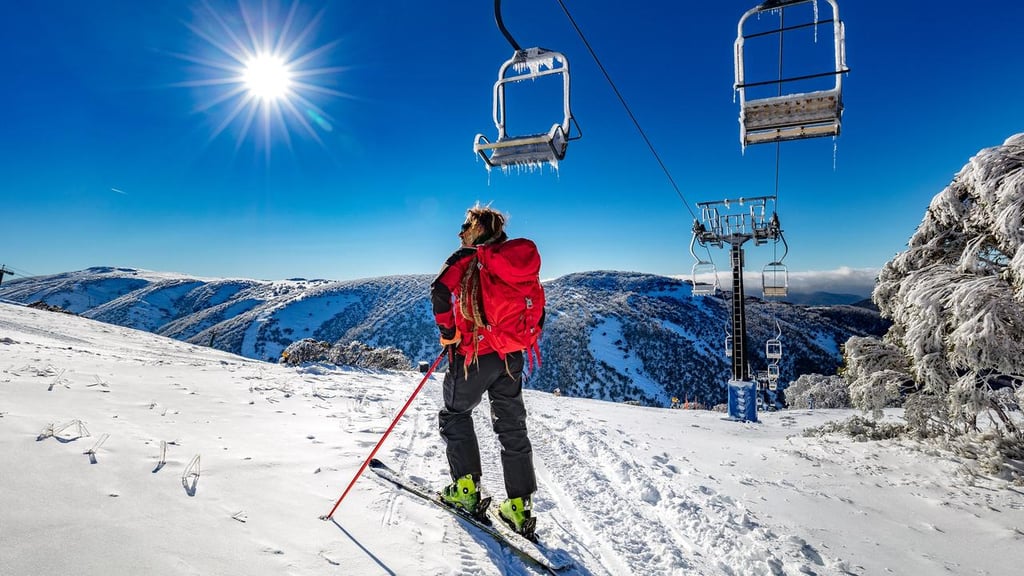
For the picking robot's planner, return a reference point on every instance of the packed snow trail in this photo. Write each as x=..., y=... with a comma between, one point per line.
x=613, y=514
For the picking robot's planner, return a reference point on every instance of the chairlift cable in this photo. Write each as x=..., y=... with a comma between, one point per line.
x=632, y=117
x=19, y=271
x=501, y=26
x=778, y=145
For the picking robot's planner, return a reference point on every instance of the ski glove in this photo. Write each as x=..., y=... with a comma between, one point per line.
x=450, y=336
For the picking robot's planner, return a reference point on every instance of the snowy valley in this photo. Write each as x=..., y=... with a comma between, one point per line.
x=617, y=336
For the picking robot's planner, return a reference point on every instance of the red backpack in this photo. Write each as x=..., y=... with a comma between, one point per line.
x=513, y=299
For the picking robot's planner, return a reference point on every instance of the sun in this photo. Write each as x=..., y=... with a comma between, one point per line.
x=267, y=77
x=259, y=74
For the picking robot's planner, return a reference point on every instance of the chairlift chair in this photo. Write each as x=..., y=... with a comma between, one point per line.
x=701, y=269
x=728, y=346
x=773, y=372
x=775, y=275
x=533, y=149
x=775, y=280
x=773, y=346
x=791, y=116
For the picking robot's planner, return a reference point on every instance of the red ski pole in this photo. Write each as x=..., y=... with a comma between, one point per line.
x=384, y=437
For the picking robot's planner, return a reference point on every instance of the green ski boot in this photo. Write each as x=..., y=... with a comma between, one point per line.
x=518, y=514
x=463, y=494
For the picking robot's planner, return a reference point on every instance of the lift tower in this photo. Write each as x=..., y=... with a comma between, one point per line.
x=734, y=222
x=4, y=270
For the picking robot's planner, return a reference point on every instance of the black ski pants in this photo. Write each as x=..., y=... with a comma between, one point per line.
x=463, y=391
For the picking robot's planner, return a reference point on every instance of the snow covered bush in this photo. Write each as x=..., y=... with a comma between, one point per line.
x=956, y=299
x=824, y=391
x=926, y=415
x=305, y=350
x=360, y=355
x=355, y=354
x=858, y=428
x=875, y=371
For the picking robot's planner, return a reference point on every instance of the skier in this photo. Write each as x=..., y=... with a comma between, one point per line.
x=475, y=367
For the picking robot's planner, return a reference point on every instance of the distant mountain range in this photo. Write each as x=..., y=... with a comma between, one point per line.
x=617, y=336
x=827, y=299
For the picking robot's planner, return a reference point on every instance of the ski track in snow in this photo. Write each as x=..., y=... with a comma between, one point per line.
x=614, y=517
x=610, y=518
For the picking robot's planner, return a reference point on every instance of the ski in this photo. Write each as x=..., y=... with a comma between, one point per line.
x=532, y=553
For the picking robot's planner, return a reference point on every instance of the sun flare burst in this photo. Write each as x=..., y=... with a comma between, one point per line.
x=267, y=77
x=258, y=75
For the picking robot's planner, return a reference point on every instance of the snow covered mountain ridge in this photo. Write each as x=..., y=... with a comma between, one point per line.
x=617, y=336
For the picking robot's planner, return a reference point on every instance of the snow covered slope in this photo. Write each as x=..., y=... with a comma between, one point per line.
x=623, y=489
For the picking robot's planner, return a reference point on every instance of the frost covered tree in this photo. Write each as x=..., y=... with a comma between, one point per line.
x=826, y=392
x=956, y=299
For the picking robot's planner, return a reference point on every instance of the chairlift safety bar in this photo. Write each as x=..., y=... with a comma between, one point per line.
x=792, y=79
x=814, y=24
x=523, y=57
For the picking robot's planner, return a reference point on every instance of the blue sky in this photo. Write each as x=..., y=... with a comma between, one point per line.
x=110, y=152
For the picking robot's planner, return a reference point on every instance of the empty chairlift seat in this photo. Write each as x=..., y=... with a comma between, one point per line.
x=790, y=115
x=704, y=274
x=532, y=149
x=705, y=279
x=775, y=280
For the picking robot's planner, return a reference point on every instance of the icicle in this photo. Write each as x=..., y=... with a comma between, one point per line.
x=529, y=166
x=835, y=152
x=534, y=63
x=815, y=3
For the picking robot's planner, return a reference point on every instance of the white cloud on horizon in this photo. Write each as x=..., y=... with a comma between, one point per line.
x=842, y=280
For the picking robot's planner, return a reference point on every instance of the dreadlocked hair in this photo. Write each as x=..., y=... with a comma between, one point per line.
x=471, y=302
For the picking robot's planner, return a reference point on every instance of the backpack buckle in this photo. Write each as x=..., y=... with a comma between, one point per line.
x=529, y=303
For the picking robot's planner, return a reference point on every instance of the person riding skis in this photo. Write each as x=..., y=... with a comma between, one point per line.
x=465, y=296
